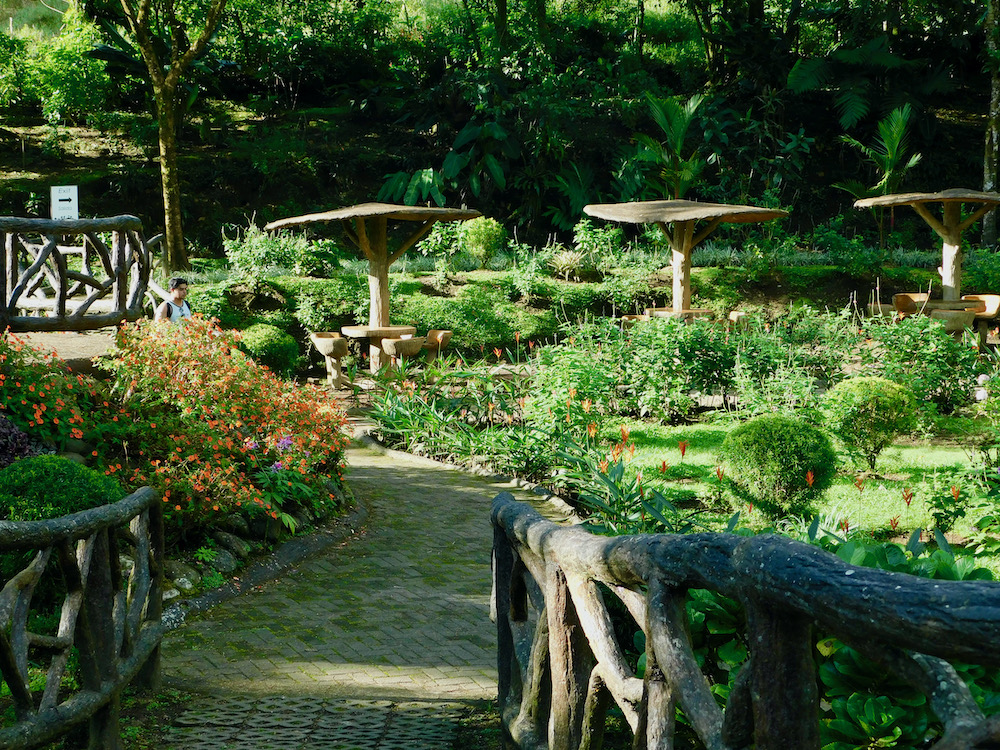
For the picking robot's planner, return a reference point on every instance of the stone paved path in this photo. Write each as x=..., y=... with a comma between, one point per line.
x=376, y=644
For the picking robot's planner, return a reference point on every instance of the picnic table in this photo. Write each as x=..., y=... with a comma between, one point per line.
x=367, y=226
x=375, y=335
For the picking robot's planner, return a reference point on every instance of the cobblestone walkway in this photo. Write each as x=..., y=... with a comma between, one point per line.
x=376, y=644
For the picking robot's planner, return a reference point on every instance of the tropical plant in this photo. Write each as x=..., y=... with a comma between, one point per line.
x=887, y=154
x=676, y=171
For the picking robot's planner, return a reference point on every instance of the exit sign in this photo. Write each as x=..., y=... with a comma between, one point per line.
x=65, y=202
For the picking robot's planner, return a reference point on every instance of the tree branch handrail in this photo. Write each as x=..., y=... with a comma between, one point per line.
x=35, y=275
x=111, y=620
x=909, y=625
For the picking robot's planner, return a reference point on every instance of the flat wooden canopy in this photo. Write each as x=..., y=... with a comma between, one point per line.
x=954, y=195
x=372, y=210
x=666, y=212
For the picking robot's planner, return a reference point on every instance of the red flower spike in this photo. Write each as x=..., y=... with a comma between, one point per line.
x=955, y=492
x=719, y=473
x=683, y=445
x=810, y=477
x=663, y=467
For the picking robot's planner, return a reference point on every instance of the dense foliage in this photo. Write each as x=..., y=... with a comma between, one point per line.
x=780, y=463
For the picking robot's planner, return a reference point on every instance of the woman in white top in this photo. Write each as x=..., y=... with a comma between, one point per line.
x=175, y=308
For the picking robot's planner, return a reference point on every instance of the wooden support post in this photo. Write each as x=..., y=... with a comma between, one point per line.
x=570, y=661
x=782, y=679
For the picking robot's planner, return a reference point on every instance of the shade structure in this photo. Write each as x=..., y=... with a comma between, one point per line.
x=367, y=226
x=949, y=227
x=677, y=220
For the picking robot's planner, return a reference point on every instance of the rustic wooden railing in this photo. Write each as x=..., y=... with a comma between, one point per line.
x=110, y=618
x=560, y=664
x=72, y=275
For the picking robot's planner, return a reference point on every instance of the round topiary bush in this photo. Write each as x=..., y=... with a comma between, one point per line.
x=43, y=487
x=869, y=413
x=780, y=464
x=270, y=346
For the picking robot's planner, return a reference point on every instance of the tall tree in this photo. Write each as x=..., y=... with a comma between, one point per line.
x=992, y=153
x=151, y=22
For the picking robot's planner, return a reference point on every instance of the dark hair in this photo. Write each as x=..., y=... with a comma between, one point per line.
x=176, y=281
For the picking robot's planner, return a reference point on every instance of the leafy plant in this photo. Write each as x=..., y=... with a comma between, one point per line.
x=14, y=443
x=869, y=413
x=917, y=353
x=41, y=487
x=482, y=238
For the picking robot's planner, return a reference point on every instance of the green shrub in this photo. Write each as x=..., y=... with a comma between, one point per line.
x=917, y=352
x=482, y=318
x=868, y=413
x=482, y=238
x=270, y=346
x=779, y=463
x=572, y=387
x=251, y=252
x=12, y=69
x=43, y=487
x=325, y=304
x=211, y=301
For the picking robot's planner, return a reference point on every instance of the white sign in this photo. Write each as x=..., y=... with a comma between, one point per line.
x=65, y=202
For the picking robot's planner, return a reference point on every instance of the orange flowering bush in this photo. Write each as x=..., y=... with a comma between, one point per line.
x=205, y=421
x=40, y=395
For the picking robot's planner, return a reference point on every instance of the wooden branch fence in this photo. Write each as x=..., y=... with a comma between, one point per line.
x=560, y=665
x=110, y=618
x=72, y=275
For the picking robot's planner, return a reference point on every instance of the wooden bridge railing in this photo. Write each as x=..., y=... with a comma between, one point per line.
x=110, y=618
x=560, y=664
x=74, y=275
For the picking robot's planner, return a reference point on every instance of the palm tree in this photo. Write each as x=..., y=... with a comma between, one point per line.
x=888, y=154
x=674, y=120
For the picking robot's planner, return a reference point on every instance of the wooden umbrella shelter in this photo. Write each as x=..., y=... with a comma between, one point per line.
x=683, y=215
x=949, y=227
x=367, y=226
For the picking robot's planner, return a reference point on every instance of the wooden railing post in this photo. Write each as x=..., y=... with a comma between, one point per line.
x=98, y=597
x=570, y=661
x=782, y=679
x=503, y=565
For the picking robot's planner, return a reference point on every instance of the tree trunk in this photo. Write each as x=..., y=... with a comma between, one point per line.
x=992, y=152
x=640, y=28
x=175, y=255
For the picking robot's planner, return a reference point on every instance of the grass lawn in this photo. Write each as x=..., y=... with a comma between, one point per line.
x=873, y=503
